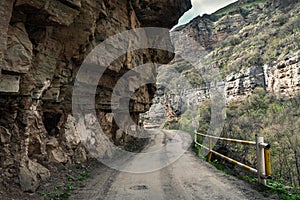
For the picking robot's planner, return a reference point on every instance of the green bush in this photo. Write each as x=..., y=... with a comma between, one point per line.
x=276, y=119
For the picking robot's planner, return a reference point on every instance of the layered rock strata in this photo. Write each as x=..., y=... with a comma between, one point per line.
x=281, y=79
x=253, y=44
x=42, y=45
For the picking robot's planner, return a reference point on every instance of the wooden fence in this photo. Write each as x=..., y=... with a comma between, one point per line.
x=263, y=170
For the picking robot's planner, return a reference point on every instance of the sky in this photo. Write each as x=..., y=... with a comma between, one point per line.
x=201, y=7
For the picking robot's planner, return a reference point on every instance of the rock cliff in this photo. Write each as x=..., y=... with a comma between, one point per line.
x=42, y=45
x=253, y=43
x=282, y=79
x=247, y=33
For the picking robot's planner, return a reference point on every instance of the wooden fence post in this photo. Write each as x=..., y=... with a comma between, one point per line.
x=268, y=163
x=260, y=153
x=195, y=140
x=209, y=155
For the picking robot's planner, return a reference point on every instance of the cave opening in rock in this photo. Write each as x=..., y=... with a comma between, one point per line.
x=51, y=121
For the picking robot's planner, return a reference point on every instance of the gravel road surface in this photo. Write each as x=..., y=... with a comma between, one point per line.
x=187, y=178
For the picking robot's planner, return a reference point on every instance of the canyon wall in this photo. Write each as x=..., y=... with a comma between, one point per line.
x=253, y=44
x=42, y=45
x=281, y=79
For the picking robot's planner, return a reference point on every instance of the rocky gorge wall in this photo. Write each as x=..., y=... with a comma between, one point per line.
x=253, y=43
x=42, y=45
x=281, y=79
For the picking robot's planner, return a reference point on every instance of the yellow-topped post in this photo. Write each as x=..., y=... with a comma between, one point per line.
x=268, y=162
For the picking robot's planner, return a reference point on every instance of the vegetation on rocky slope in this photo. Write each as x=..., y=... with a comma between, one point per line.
x=246, y=34
x=269, y=34
x=278, y=120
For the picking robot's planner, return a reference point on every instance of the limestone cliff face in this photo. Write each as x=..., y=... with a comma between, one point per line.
x=281, y=79
x=42, y=45
x=253, y=43
x=210, y=30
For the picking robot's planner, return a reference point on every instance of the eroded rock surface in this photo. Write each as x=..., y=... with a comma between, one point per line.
x=281, y=79
x=245, y=42
x=42, y=45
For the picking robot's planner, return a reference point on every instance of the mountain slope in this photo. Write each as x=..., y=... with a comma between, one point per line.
x=248, y=33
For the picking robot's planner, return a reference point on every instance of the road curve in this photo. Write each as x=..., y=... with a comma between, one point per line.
x=187, y=178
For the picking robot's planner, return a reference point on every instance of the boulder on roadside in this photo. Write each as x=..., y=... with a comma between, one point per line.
x=30, y=174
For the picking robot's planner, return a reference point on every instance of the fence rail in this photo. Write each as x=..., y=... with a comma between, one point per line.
x=229, y=140
x=262, y=153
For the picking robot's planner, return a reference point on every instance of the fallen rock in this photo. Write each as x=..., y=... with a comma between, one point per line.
x=29, y=175
x=42, y=172
x=58, y=156
x=28, y=180
x=80, y=155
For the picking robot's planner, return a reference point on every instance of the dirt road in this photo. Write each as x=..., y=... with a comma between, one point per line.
x=187, y=178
